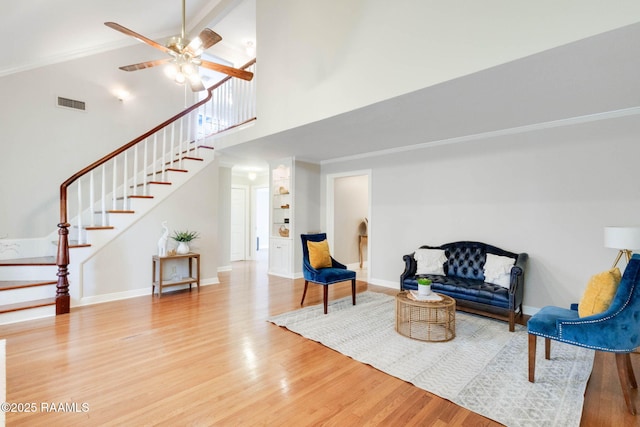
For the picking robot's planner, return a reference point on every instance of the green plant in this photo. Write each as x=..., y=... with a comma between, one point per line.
x=184, y=236
x=424, y=281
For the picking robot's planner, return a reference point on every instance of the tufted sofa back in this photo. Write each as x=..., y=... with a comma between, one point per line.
x=466, y=259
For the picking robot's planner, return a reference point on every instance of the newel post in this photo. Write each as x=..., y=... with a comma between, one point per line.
x=63, y=299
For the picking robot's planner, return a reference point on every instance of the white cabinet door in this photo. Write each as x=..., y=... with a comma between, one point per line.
x=280, y=257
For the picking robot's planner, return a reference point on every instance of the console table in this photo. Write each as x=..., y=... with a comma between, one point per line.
x=162, y=282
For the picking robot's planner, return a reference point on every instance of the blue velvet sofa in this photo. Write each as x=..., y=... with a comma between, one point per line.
x=462, y=277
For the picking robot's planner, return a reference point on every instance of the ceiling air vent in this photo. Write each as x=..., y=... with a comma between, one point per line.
x=71, y=103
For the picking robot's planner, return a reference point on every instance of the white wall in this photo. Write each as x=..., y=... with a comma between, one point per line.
x=224, y=222
x=43, y=145
x=123, y=267
x=317, y=59
x=547, y=192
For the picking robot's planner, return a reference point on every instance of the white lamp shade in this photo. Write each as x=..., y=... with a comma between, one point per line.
x=622, y=237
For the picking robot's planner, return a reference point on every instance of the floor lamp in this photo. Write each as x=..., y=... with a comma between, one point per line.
x=622, y=238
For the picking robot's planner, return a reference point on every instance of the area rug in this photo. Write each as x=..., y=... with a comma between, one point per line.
x=484, y=368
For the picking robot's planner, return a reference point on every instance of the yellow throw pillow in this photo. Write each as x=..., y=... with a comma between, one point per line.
x=599, y=293
x=319, y=255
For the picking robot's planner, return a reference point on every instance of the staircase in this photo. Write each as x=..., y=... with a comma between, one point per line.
x=110, y=195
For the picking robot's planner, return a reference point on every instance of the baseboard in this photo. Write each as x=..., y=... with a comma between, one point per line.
x=99, y=299
x=224, y=268
x=356, y=266
x=385, y=283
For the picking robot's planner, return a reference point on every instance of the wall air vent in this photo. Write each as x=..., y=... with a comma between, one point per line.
x=71, y=103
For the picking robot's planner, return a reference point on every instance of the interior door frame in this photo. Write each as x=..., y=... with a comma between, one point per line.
x=330, y=212
x=247, y=208
x=254, y=219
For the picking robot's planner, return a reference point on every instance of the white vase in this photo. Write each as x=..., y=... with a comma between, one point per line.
x=183, y=248
x=424, y=290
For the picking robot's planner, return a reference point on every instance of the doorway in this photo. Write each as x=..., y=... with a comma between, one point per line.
x=238, y=223
x=260, y=238
x=348, y=210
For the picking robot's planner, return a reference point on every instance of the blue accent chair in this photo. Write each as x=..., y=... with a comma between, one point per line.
x=617, y=330
x=324, y=276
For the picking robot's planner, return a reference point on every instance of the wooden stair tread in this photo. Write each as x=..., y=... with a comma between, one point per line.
x=193, y=158
x=100, y=227
x=116, y=211
x=79, y=245
x=45, y=260
x=159, y=182
x=6, y=285
x=176, y=170
x=140, y=197
x=27, y=305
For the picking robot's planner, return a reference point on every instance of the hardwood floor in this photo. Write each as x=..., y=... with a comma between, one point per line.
x=211, y=358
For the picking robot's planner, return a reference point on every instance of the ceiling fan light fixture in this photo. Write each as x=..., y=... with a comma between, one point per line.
x=180, y=78
x=196, y=47
x=171, y=70
x=189, y=69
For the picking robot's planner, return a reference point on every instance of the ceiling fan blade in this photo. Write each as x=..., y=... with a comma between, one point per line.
x=209, y=38
x=196, y=84
x=143, y=65
x=137, y=36
x=204, y=41
x=233, y=72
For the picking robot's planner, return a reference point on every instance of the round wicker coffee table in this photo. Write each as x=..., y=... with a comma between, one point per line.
x=426, y=320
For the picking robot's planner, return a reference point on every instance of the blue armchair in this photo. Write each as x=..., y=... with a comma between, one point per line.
x=324, y=276
x=617, y=330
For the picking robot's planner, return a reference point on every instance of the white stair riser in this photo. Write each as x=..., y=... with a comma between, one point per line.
x=31, y=293
x=25, y=248
x=30, y=314
x=39, y=273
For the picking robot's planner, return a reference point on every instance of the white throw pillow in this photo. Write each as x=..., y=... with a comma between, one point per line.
x=430, y=261
x=497, y=270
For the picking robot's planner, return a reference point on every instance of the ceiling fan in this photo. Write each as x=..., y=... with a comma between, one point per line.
x=184, y=55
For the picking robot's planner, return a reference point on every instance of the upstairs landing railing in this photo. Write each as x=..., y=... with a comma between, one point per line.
x=107, y=185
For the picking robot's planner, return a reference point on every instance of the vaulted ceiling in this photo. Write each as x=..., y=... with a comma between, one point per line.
x=43, y=32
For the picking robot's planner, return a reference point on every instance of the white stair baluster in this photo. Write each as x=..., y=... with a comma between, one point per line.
x=80, y=239
x=92, y=214
x=135, y=170
x=114, y=194
x=103, y=197
x=164, y=150
x=125, y=180
x=172, y=154
x=155, y=159
x=145, y=169
x=181, y=144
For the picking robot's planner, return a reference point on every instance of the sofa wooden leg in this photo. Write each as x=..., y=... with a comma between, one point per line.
x=512, y=321
x=353, y=291
x=532, y=357
x=623, y=361
x=304, y=293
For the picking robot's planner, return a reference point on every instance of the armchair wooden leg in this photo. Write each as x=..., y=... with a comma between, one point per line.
x=325, y=297
x=353, y=291
x=632, y=376
x=623, y=363
x=512, y=321
x=304, y=293
x=547, y=348
x=532, y=357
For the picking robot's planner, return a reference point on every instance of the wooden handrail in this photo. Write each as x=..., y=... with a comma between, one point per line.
x=63, y=299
